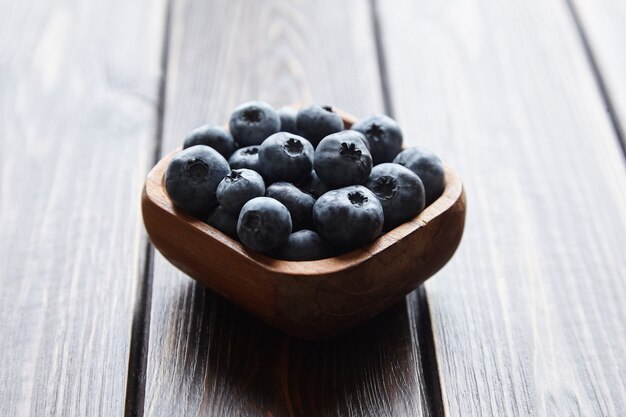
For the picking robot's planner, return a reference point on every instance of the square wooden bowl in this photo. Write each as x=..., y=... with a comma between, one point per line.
x=311, y=299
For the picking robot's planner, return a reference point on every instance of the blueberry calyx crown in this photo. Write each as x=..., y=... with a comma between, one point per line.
x=385, y=187
x=357, y=198
x=252, y=115
x=293, y=147
x=350, y=150
x=252, y=220
x=250, y=151
x=375, y=131
x=328, y=109
x=234, y=175
x=197, y=170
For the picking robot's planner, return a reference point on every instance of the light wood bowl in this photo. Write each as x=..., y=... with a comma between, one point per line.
x=310, y=299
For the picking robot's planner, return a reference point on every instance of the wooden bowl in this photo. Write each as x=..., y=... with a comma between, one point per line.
x=311, y=299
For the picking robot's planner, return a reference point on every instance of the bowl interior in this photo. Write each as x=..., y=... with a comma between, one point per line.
x=155, y=188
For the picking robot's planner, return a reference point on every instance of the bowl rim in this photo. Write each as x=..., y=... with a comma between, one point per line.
x=155, y=192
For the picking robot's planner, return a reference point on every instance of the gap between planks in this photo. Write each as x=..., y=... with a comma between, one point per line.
x=382, y=59
x=597, y=75
x=416, y=303
x=420, y=321
x=140, y=332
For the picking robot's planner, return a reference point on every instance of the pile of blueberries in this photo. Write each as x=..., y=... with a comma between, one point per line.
x=296, y=185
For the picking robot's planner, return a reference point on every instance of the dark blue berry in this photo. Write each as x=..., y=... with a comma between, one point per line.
x=305, y=245
x=238, y=187
x=285, y=157
x=316, y=122
x=214, y=136
x=342, y=159
x=349, y=217
x=247, y=157
x=252, y=122
x=264, y=225
x=428, y=167
x=313, y=185
x=383, y=135
x=287, y=117
x=299, y=204
x=192, y=177
x=400, y=192
x=224, y=221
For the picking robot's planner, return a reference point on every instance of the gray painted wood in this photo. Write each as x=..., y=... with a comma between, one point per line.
x=78, y=92
x=207, y=357
x=603, y=24
x=528, y=317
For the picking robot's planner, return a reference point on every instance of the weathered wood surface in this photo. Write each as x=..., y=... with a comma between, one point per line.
x=529, y=316
x=77, y=116
x=207, y=357
x=604, y=26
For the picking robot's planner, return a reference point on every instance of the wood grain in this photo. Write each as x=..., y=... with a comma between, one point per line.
x=219, y=361
x=78, y=86
x=528, y=316
x=207, y=357
x=602, y=22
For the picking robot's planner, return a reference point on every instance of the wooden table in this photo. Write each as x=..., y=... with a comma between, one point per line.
x=526, y=99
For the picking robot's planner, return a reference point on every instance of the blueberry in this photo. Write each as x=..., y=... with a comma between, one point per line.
x=428, y=167
x=252, y=122
x=400, y=192
x=264, y=225
x=383, y=135
x=315, y=123
x=305, y=245
x=285, y=157
x=247, y=157
x=349, y=217
x=313, y=186
x=287, y=116
x=299, y=204
x=367, y=143
x=224, y=221
x=341, y=159
x=214, y=136
x=192, y=177
x=238, y=187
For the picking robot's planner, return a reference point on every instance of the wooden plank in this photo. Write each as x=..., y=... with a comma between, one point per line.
x=207, y=357
x=214, y=359
x=528, y=317
x=602, y=24
x=78, y=96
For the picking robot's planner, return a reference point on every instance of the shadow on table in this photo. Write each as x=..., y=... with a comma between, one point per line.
x=249, y=367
